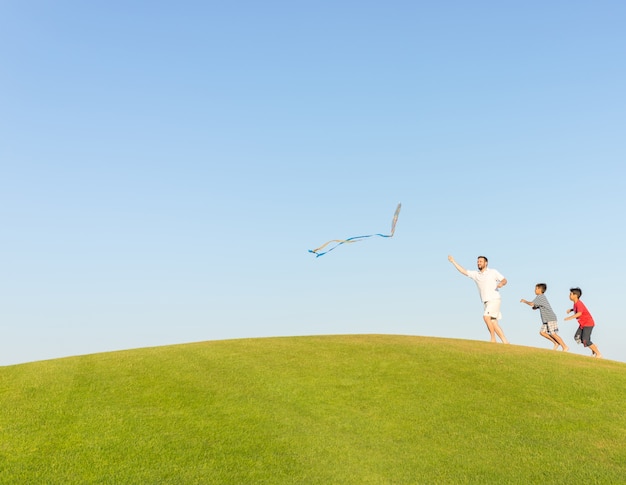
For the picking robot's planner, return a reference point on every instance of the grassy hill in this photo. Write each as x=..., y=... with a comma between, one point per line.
x=365, y=409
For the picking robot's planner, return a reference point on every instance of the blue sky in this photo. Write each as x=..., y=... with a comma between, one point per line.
x=166, y=166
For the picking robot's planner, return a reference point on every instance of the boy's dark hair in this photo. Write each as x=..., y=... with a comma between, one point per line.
x=542, y=286
x=577, y=291
x=484, y=257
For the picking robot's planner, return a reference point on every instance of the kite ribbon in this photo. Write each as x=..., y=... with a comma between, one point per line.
x=356, y=238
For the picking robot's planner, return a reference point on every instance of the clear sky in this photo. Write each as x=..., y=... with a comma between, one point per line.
x=166, y=166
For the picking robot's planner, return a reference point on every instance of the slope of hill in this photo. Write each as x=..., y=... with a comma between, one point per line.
x=330, y=409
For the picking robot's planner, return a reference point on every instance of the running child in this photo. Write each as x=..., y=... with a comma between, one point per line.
x=585, y=322
x=549, y=327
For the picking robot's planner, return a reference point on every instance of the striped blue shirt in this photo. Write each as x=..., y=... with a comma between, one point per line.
x=547, y=315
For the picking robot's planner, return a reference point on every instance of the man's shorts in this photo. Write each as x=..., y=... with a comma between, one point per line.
x=492, y=309
x=550, y=328
x=583, y=336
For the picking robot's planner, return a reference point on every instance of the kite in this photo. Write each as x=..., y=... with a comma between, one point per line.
x=356, y=238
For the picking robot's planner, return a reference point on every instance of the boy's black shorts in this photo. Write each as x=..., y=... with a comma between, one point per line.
x=583, y=336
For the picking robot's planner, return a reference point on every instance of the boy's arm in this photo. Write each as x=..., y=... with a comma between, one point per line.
x=529, y=303
x=460, y=268
x=575, y=315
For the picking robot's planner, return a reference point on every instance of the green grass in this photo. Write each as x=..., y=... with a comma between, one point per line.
x=315, y=410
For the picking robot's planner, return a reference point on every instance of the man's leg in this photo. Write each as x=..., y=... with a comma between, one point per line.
x=499, y=331
x=490, y=327
x=494, y=329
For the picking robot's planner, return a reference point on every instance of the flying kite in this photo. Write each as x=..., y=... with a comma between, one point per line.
x=356, y=238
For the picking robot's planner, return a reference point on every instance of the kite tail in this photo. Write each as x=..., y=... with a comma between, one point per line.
x=356, y=238
x=339, y=243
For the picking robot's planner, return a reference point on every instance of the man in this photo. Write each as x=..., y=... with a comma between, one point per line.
x=488, y=281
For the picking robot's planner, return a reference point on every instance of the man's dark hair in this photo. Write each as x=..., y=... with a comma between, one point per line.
x=484, y=257
x=542, y=286
x=577, y=291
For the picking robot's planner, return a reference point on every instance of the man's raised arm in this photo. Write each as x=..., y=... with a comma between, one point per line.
x=457, y=265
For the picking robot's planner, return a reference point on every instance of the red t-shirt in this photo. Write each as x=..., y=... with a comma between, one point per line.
x=585, y=319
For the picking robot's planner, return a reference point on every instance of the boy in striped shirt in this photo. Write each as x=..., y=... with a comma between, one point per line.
x=549, y=328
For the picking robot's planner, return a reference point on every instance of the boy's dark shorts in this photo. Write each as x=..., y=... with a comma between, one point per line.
x=583, y=336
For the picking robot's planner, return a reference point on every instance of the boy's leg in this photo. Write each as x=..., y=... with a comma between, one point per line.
x=578, y=336
x=596, y=352
x=552, y=329
x=557, y=338
x=546, y=335
x=586, y=339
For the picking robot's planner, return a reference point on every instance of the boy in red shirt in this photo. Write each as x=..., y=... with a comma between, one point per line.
x=585, y=321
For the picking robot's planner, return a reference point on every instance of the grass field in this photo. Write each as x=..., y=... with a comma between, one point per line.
x=368, y=409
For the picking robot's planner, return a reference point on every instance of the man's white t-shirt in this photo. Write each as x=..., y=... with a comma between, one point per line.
x=487, y=283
